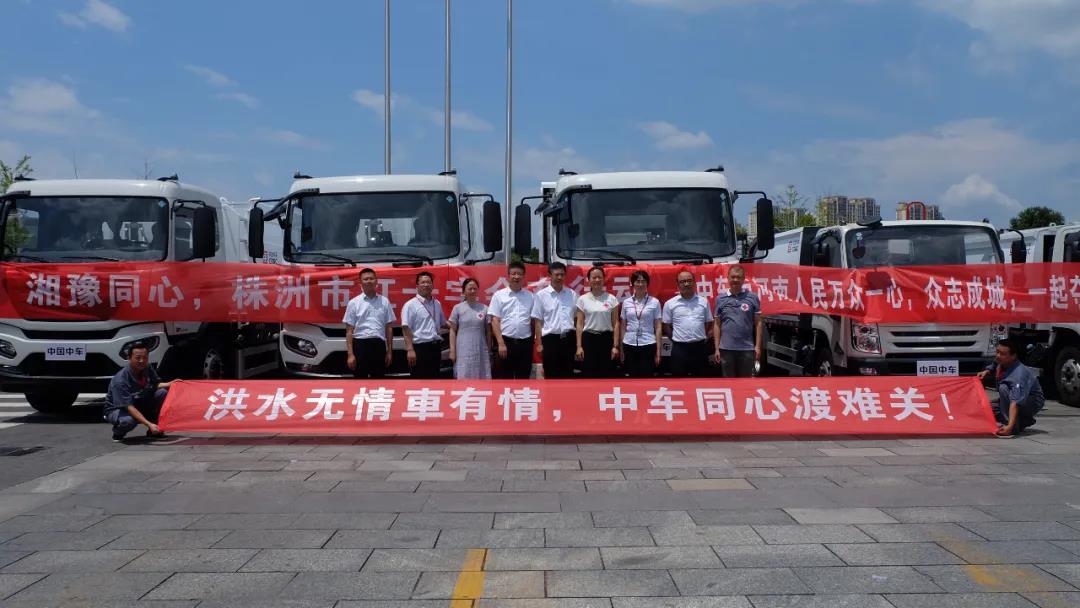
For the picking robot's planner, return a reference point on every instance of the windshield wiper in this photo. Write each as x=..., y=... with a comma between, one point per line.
x=88, y=257
x=329, y=256
x=694, y=254
x=611, y=252
x=32, y=258
x=407, y=256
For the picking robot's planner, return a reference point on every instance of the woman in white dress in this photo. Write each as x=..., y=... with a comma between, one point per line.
x=597, y=328
x=470, y=336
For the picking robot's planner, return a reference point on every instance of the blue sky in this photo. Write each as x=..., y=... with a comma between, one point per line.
x=971, y=104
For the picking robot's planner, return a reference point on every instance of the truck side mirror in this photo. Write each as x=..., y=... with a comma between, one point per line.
x=1018, y=252
x=204, y=233
x=256, y=245
x=765, y=237
x=522, y=229
x=821, y=255
x=493, y=228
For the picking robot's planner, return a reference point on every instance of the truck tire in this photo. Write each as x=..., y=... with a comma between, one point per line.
x=823, y=363
x=51, y=401
x=211, y=361
x=1067, y=375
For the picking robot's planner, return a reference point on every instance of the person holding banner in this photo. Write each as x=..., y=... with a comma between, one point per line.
x=597, y=328
x=1020, y=396
x=511, y=323
x=470, y=336
x=135, y=396
x=640, y=329
x=686, y=319
x=553, y=320
x=421, y=319
x=736, y=322
x=368, y=329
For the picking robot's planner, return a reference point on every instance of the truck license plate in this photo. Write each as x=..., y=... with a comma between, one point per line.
x=938, y=368
x=65, y=352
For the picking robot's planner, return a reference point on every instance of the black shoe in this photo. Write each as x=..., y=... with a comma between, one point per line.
x=118, y=437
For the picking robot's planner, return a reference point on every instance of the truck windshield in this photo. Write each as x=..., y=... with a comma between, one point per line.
x=921, y=245
x=647, y=224
x=83, y=229
x=368, y=225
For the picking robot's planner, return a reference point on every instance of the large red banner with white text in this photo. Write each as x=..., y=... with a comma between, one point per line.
x=193, y=291
x=703, y=406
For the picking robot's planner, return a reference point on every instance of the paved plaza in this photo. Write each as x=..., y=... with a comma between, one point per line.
x=536, y=523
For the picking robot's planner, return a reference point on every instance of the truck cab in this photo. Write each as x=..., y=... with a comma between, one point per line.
x=1051, y=348
x=85, y=221
x=378, y=221
x=824, y=345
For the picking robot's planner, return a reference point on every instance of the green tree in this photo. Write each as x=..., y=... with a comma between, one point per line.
x=532, y=258
x=15, y=235
x=790, y=210
x=1036, y=217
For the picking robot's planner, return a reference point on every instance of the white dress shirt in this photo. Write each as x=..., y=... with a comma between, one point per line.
x=555, y=309
x=424, y=318
x=640, y=317
x=514, y=311
x=369, y=316
x=687, y=317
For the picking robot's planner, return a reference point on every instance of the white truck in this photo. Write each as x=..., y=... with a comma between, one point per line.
x=378, y=221
x=83, y=221
x=1052, y=348
x=825, y=345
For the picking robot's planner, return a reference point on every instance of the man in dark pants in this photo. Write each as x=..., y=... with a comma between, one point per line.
x=369, y=334
x=736, y=322
x=686, y=319
x=553, y=324
x=421, y=319
x=1020, y=396
x=135, y=396
x=511, y=322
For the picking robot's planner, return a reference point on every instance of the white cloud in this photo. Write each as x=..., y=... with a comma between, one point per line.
x=291, y=138
x=668, y=137
x=977, y=192
x=248, y=100
x=99, y=13
x=211, y=76
x=1051, y=26
x=44, y=106
x=374, y=101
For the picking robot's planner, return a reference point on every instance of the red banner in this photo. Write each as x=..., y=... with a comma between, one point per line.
x=193, y=291
x=702, y=406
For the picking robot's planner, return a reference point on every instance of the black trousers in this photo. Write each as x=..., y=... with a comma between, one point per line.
x=597, y=361
x=428, y=358
x=558, y=355
x=690, y=359
x=737, y=363
x=370, y=357
x=518, y=362
x=639, y=361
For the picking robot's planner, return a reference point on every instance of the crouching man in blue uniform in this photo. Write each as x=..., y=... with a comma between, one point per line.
x=135, y=396
x=1020, y=396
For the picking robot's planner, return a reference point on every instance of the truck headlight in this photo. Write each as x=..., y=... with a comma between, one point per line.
x=865, y=338
x=7, y=349
x=998, y=332
x=150, y=343
x=300, y=346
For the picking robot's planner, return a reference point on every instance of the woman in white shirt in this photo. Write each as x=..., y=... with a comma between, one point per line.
x=597, y=328
x=641, y=329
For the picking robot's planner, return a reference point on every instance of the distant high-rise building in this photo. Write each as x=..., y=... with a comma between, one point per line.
x=751, y=225
x=834, y=210
x=918, y=210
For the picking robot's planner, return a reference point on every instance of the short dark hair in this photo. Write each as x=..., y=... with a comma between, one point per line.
x=639, y=274
x=1009, y=343
x=736, y=268
x=515, y=264
x=138, y=346
x=466, y=282
x=552, y=267
x=368, y=270
x=422, y=274
x=594, y=268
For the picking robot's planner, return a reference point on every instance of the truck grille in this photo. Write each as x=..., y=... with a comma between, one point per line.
x=96, y=364
x=900, y=341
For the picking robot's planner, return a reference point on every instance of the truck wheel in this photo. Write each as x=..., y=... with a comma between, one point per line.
x=51, y=401
x=1067, y=375
x=823, y=363
x=211, y=361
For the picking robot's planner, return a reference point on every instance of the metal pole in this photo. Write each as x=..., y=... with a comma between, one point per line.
x=509, y=121
x=447, y=165
x=386, y=88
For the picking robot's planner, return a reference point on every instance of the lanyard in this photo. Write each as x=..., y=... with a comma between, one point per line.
x=637, y=313
x=430, y=311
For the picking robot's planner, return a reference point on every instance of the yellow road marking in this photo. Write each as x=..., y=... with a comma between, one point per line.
x=470, y=582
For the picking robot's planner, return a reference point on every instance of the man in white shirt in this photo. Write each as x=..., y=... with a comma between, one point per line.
x=686, y=319
x=553, y=324
x=369, y=335
x=421, y=320
x=511, y=322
